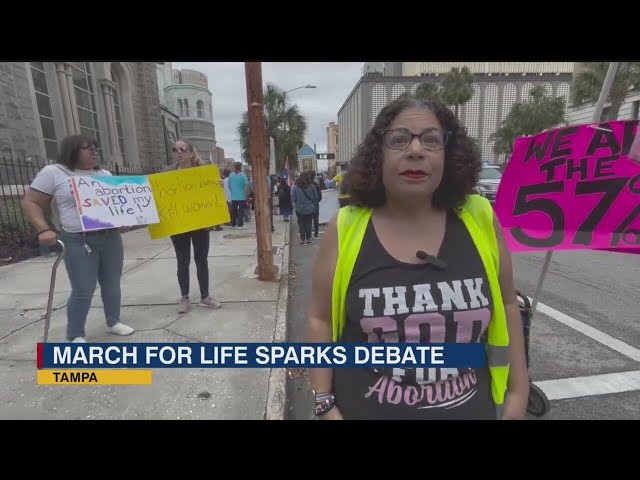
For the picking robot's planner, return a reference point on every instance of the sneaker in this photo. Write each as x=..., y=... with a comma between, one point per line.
x=120, y=329
x=210, y=302
x=316, y=236
x=185, y=305
x=309, y=242
x=79, y=340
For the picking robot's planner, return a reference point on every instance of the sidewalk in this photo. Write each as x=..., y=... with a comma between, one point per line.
x=253, y=311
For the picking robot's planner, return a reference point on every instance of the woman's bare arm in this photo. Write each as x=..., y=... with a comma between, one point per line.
x=320, y=328
x=518, y=384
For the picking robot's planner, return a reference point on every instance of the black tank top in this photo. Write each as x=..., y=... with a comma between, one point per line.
x=392, y=301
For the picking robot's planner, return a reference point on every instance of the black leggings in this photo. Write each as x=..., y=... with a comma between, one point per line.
x=304, y=226
x=316, y=219
x=182, y=244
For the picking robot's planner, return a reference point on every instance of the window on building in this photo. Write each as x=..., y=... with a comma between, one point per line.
x=45, y=112
x=86, y=102
x=180, y=107
x=186, y=107
x=116, y=107
x=200, y=109
x=120, y=96
x=635, y=110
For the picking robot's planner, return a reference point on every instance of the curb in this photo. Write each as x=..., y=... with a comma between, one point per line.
x=277, y=384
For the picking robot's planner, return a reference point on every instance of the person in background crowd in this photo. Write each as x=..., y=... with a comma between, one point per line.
x=90, y=258
x=227, y=192
x=284, y=199
x=343, y=196
x=316, y=215
x=305, y=199
x=187, y=157
x=239, y=187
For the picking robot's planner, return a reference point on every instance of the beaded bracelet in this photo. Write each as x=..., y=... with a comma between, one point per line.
x=324, y=406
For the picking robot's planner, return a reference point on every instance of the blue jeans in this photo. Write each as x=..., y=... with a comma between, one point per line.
x=85, y=270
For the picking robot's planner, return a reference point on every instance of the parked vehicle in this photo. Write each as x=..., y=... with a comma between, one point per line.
x=489, y=181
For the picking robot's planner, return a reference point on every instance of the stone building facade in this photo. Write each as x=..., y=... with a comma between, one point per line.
x=114, y=102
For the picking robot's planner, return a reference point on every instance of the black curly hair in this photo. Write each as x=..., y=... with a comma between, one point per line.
x=462, y=163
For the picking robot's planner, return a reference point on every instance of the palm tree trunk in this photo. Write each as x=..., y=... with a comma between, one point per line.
x=615, y=108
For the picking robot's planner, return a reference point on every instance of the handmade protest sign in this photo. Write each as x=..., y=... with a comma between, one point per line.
x=187, y=200
x=112, y=202
x=572, y=188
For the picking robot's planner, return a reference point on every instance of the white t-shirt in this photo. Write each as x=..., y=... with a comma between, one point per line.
x=55, y=180
x=227, y=192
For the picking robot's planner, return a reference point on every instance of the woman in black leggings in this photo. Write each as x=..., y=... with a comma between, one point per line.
x=187, y=157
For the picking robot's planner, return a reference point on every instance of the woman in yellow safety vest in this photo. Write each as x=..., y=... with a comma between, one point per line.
x=417, y=258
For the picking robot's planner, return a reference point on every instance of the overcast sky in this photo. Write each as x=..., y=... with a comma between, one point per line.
x=333, y=81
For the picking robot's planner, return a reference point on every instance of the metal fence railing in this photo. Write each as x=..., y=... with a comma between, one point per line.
x=17, y=237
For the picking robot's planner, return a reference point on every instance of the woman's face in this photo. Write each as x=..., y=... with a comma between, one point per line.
x=182, y=152
x=413, y=154
x=87, y=157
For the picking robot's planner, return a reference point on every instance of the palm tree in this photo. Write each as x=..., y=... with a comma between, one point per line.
x=587, y=85
x=457, y=88
x=540, y=113
x=285, y=124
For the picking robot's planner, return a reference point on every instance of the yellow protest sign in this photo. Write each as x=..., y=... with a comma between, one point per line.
x=188, y=200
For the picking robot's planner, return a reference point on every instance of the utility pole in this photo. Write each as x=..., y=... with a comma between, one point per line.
x=257, y=152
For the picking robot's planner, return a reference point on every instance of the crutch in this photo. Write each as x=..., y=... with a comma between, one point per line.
x=52, y=289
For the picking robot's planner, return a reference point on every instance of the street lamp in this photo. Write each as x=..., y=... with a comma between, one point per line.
x=298, y=88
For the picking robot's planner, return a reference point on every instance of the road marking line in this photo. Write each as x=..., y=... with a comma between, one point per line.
x=592, y=385
x=611, y=342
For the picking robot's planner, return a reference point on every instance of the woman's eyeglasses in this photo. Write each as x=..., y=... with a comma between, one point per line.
x=400, y=138
x=91, y=148
x=179, y=149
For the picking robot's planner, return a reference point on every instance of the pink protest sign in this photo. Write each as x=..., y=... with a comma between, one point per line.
x=572, y=188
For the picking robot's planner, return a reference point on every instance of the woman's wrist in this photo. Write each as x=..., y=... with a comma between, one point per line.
x=46, y=229
x=323, y=402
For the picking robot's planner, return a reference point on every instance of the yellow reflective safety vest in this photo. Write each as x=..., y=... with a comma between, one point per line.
x=338, y=179
x=477, y=215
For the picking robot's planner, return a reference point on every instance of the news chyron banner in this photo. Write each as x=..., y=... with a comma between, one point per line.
x=573, y=188
x=133, y=363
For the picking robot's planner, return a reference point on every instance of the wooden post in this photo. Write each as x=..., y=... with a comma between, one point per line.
x=257, y=153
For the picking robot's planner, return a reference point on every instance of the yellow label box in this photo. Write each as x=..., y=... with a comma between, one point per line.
x=94, y=377
x=188, y=200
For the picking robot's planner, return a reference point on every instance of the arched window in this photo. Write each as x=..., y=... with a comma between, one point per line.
x=45, y=111
x=200, y=108
x=180, y=108
x=117, y=102
x=86, y=101
x=186, y=107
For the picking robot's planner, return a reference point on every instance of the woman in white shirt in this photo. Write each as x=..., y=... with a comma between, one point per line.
x=90, y=257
